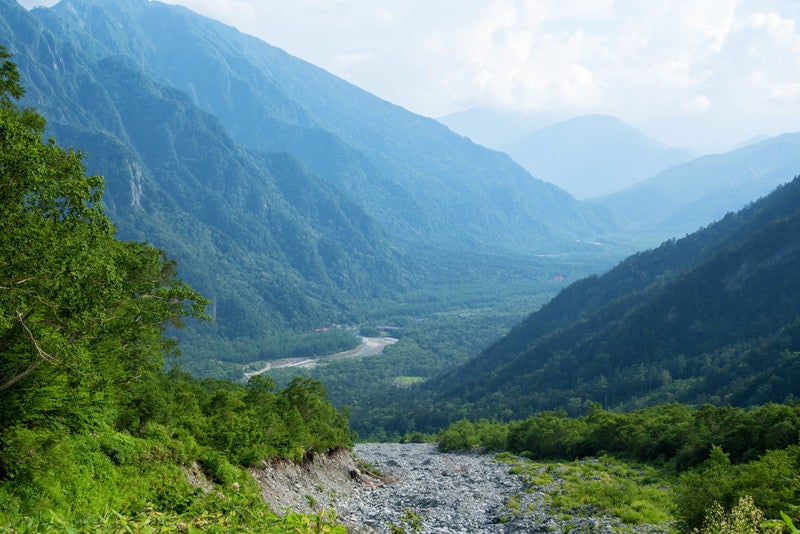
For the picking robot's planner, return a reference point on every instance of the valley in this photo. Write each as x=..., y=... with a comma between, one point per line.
x=587, y=330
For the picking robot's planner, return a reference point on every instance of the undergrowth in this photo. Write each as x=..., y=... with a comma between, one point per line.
x=635, y=494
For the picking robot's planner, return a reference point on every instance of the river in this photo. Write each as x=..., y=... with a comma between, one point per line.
x=370, y=346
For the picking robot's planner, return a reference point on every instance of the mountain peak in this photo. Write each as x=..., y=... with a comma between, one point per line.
x=593, y=155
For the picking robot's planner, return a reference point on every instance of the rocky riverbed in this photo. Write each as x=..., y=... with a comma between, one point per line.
x=420, y=490
x=428, y=491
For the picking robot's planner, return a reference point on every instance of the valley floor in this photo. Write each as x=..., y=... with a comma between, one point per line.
x=429, y=491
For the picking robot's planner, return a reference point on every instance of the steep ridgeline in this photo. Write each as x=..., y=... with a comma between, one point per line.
x=273, y=245
x=593, y=155
x=712, y=317
x=686, y=197
x=423, y=183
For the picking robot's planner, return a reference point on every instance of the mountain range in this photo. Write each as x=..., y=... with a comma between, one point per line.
x=287, y=195
x=654, y=191
x=418, y=179
x=712, y=317
x=593, y=155
x=688, y=196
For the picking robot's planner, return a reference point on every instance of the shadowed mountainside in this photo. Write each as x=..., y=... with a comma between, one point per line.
x=712, y=317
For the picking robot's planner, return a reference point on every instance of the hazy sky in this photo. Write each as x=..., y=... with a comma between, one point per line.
x=701, y=73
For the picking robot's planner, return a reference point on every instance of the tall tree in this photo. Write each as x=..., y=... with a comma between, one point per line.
x=80, y=311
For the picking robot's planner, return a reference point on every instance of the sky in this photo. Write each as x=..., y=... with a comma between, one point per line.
x=705, y=74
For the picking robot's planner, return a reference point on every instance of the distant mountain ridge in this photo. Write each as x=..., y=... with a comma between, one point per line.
x=686, y=197
x=495, y=128
x=593, y=155
x=658, y=198
x=712, y=317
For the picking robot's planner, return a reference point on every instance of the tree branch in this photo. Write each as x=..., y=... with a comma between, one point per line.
x=22, y=375
x=41, y=352
x=43, y=356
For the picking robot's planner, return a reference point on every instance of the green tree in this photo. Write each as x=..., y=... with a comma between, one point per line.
x=82, y=314
x=91, y=426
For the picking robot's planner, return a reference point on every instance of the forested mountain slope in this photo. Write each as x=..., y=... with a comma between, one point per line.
x=271, y=244
x=421, y=181
x=714, y=316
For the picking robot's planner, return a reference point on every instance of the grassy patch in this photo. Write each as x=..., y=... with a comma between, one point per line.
x=636, y=494
x=407, y=381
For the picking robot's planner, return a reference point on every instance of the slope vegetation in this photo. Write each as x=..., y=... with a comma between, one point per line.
x=711, y=317
x=688, y=196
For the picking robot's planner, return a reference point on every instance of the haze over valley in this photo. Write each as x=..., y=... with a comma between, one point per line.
x=278, y=262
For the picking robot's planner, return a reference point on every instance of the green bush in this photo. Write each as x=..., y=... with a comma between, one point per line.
x=465, y=435
x=217, y=467
x=743, y=518
x=122, y=449
x=772, y=482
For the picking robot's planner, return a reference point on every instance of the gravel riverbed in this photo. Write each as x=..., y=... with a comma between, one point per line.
x=428, y=491
x=422, y=490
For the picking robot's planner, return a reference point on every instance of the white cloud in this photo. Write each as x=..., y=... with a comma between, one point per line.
x=697, y=104
x=350, y=60
x=28, y=4
x=643, y=61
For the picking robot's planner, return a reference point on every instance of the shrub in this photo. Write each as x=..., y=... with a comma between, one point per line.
x=744, y=518
x=217, y=468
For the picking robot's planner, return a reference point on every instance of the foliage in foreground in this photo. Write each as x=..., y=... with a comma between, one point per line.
x=178, y=455
x=720, y=454
x=772, y=482
x=94, y=435
x=744, y=518
x=247, y=515
x=636, y=494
